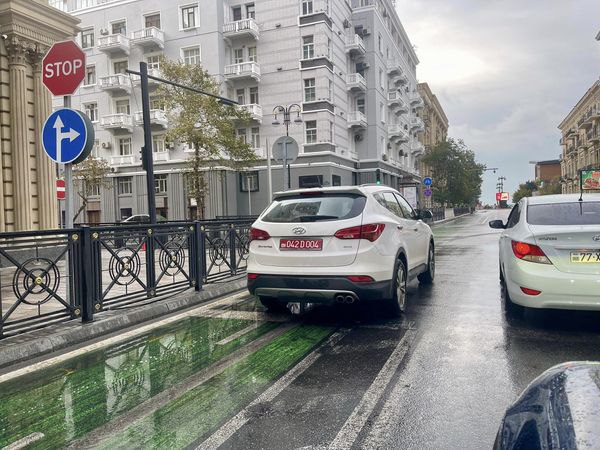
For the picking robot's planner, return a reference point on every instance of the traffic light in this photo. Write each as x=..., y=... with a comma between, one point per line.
x=378, y=176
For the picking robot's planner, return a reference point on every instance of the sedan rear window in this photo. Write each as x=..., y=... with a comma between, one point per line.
x=575, y=213
x=313, y=208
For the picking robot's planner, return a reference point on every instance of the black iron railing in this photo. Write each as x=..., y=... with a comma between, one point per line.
x=51, y=276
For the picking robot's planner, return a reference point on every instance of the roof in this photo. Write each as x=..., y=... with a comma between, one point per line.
x=562, y=198
x=363, y=189
x=548, y=162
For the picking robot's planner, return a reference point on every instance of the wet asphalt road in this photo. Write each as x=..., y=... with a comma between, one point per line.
x=230, y=375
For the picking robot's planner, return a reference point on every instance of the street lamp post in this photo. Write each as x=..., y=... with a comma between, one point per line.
x=287, y=112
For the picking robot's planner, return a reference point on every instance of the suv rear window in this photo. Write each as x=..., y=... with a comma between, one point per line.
x=315, y=207
x=575, y=213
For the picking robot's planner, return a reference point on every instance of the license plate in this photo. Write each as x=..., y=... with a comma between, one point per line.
x=314, y=245
x=586, y=257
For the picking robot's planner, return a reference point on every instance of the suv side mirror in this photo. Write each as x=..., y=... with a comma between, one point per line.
x=424, y=214
x=498, y=224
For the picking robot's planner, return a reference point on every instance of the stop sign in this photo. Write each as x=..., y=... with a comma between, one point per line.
x=63, y=68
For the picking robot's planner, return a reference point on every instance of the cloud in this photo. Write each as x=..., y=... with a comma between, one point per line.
x=506, y=72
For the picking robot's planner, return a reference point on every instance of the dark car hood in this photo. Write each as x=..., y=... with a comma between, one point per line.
x=560, y=409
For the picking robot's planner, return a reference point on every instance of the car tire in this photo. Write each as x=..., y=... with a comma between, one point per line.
x=512, y=310
x=398, y=301
x=272, y=304
x=428, y=276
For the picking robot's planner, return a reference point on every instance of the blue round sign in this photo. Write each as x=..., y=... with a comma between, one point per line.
x=427, y=193
x=427, y=181
x=68, y=136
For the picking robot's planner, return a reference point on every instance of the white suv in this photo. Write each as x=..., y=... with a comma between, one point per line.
x=340, y=245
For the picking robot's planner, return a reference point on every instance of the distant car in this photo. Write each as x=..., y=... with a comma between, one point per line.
x=339, y=244
x=558, y=410
x=142, y=218
x=550, y=253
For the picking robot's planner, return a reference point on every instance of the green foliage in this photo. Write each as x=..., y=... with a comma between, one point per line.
x=203, y=123
x=457, y=176
x=92, y=175
x=525, y=190
x=541, y=187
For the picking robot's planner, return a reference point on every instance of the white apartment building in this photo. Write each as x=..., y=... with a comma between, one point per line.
x=348, y=63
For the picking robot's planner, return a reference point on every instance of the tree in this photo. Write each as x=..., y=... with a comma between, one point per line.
x=525, y=190
x=92, y=175
x=540, y=187
x=204, y=124
x=457, y=175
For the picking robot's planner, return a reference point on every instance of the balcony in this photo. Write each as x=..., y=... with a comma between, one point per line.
x=245, y=70
x=150, y=37
x=417, y=148
x=393, y=67
x=317, y=13
x=415, y=100
x=397, y=132
x=357, y=119
x=260, y=153
x=118, y=83
x=114, y=44
x=400, y=79
x=153, y=72
x=254, y=110
x=158, y=117
x=117, y=161
x=117, y=122
x=417, y=123
x=164, y=156
x=395, y=101
x=355, y=45
x=355, y=81
x=246, y=28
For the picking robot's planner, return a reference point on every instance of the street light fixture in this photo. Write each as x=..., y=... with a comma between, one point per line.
x=287, y=112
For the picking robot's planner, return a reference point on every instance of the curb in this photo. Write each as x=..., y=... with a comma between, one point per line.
x=443, y=221
x=17, y=349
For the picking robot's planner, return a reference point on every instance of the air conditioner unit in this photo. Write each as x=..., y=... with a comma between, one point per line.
x=384, y=157
x=113, y=169
x=103, y=31
x=366, y=32
x=106, y=145
x=358, y=137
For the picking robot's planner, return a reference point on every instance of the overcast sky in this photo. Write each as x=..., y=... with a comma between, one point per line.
x=506, y=72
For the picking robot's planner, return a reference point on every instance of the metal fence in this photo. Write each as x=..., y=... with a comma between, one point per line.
x=47, y=277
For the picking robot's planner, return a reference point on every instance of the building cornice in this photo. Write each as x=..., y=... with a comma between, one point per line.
x=573, y=113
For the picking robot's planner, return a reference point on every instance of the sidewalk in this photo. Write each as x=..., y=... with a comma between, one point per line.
x=24, y=347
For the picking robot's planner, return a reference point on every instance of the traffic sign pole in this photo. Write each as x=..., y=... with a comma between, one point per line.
x=69, y=205
x=147, y=150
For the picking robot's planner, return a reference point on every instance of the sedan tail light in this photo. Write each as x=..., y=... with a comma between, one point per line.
x=529, y=252
x=259, y=235
x=369, y=232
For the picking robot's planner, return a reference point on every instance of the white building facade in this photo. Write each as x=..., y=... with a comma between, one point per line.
x=348, y=64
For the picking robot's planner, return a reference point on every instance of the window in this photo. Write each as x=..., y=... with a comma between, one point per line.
x=308, y=47
x=336, y=180
x=311, y=131
x=237, y=13
x=249, y=181
x=331, y=133
x=153, y=62
x=188, y=17
x=124, y=186
x=87, y=38
x=360, y=105
x=238, y=55
x=302, y=208
x=122, y=107
x=158, y=143
x=382, y=112
x=91, y=110
x=310, y=181
x=119, y=27
x=381, y=83
x=191, y=56
x=160, y=183
x=241, y=134
x=380, y=44
x=310, y=93
x=120, y=66
x=514, y=217
x=96, y=149
x=125, y=146
x=152, y=20
x=329, y=53
x=92, y=190
x=250, y=11
x=572, y=213
x=157, y=103
x=407, y=210
x=255, y=137
x=252, y=55
x=241, y=96
x=390, y=202
x=90, y=75
x=307, y=7
x=254, y=96
x=330, y=90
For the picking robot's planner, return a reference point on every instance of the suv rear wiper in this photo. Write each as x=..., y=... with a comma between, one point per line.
x=315, y=218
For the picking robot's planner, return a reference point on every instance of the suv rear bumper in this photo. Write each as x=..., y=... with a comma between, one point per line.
x=313, y=289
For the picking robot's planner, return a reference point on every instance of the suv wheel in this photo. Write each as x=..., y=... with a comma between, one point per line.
x=398, y=300
x=428, y=276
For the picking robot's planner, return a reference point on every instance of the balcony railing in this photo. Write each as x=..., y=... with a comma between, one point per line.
x=128, y=160
x=152, y=71
x=157, y=117
x=355, y=44
x=357, y=119
x=163, y=156
x=416, y=122
x=117, y=122
x=114, y=43
x=356, y=81
x=417, y=148
x=415, y=99
x=395, y=100
x=248, y=69
x=396, y=131
x=242, y=28
x=254, y=110
x=393, y=67
x=149, y=37
x=117, y=82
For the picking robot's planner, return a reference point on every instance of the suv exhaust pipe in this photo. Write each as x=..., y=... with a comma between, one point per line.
x=339, y=298
x=349, y=299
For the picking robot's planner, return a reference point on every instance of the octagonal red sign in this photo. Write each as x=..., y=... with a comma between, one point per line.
x=63, y=68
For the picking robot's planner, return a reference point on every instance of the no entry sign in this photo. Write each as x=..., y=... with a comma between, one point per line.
x=60, y=189
x=63, y=68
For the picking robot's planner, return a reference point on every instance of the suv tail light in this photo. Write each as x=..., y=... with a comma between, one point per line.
x=369, y=232
x=529, y=252
x=259, y=235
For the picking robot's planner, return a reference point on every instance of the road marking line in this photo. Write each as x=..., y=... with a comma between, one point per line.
x=349, y=432
x=25, y=442
x=228, y=429
x=116, y=339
